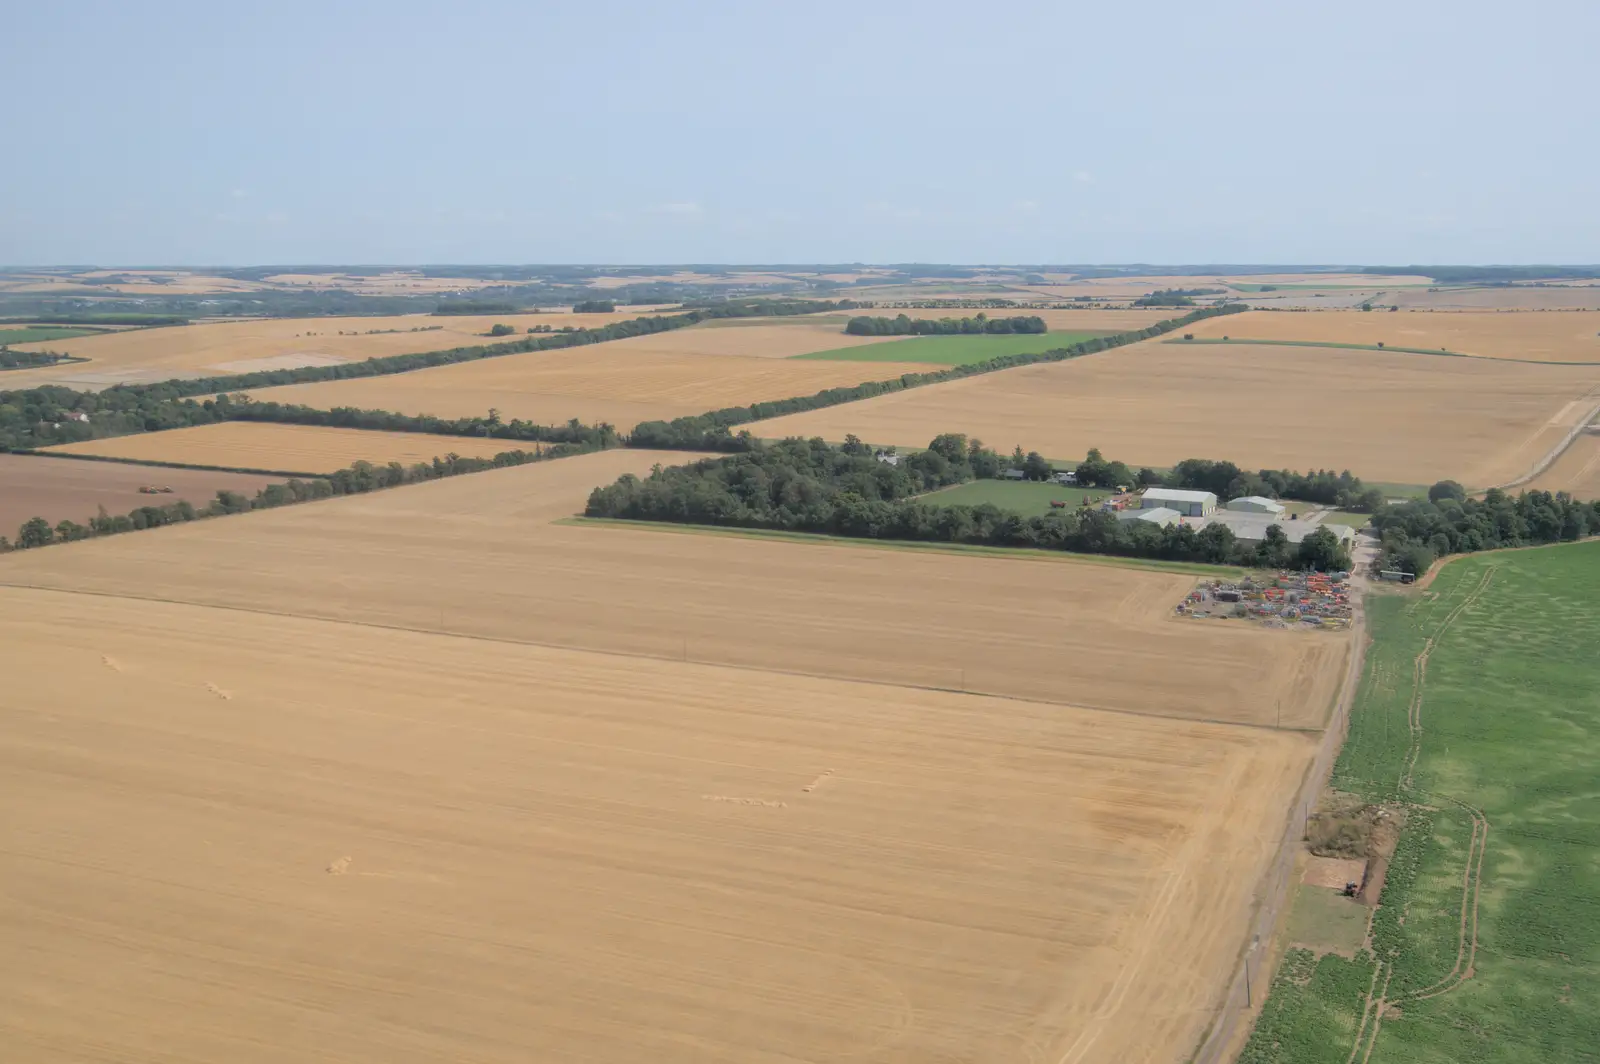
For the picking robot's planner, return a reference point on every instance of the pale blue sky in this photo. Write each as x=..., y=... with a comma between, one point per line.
x=289, y=132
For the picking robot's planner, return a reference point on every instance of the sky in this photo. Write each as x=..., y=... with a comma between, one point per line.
x=516, y=131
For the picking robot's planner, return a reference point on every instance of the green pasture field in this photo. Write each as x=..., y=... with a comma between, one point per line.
x=1030, y=499
x=27, y=334
x=1486, y=947
x=955, y=350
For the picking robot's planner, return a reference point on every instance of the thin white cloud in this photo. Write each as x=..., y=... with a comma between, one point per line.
x=1083, y=177
x=686, y=209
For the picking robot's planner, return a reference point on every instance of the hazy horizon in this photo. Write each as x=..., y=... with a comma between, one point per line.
x=374, y=134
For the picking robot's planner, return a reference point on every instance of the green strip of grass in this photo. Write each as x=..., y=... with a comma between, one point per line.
x=1440, y=352
x=1223, y=572
x=1018, y=497
x=954, y=350
x=30, y=334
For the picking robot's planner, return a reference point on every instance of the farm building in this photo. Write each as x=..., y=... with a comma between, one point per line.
x=1069, y=477
x=1155, y=515
x=1255, y=504
x=1187, y=503
x=1252, y=527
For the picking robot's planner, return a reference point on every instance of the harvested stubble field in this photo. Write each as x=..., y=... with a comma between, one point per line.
x=293, y=448
x=212, y=348
x=1400, y=418
x=469, y=554
x=60, y=489
x=225, y=815
x=1576, y=472
x=1555, y=336
x=753, y=338
x=1512, y=297
x=258, y=838
x=619, y=383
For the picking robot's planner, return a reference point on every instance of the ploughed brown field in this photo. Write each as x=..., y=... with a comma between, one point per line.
x=1536, y=336
x=621, y=383
x=60, y=489
x=208, y=349
x=1385, y=416
x=290, y=448
x=320, y=783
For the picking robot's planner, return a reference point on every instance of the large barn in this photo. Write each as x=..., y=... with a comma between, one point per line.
x=1186, y=502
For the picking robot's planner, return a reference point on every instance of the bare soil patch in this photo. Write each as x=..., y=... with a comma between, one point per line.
x=292, y=448
x=59, y=489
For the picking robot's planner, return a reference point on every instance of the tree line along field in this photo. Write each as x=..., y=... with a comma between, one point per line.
x=1387, y=416
x=543, y=832
x=305, y=449
x=1479, y=709
x=622, y=382
x=58, y=489
x=216, y=348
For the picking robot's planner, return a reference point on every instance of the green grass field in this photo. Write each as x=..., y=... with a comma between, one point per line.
x=1487, y=942
x=1020, y=497
x=954, y=350
x=27, y=334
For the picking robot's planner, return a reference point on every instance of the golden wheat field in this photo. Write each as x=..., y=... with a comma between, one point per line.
x=1576, y=471
x=753, y=338
x=421, y=775
x=290, y=448
x=472, y=555
x=246, y=346
x=1554, y=336
x=1509, y=298
x=614, y=383
x=1385, y=416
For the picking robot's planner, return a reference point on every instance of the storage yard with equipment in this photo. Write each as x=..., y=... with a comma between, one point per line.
x=307, y=449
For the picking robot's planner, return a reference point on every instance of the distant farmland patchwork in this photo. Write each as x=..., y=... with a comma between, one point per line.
x=1392, y=417
x=245, y=346
x=620, y=383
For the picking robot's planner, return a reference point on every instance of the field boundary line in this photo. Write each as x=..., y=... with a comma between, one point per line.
x=1217, y=1043
x=674, y=658
x=1556, y=452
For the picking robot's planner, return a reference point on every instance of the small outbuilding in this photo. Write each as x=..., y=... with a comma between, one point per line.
x=1255, y=504
x=1187, y=503
x=1014, y=474
x=1155, y=515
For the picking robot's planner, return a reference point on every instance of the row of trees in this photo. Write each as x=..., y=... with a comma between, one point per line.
x=1228, y=481
x=243, y=408
x=357, y=479
x=810, y=486
x=903, y=325
x=10, y=359
x=1414, y=534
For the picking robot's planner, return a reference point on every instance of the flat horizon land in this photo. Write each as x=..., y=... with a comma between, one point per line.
x=386, y=776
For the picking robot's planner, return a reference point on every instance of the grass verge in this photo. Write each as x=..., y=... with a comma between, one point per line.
x=954, y=350
x=1222, y=572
